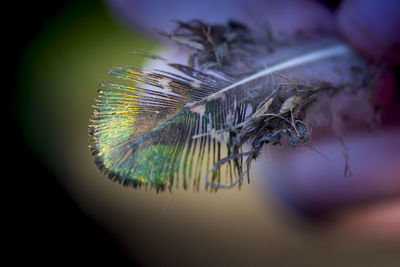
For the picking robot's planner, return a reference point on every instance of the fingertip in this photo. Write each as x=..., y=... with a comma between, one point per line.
x=313, y=186
x=372, y=27
x=158, y=14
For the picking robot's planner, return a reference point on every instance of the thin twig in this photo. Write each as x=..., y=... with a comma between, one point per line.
x=223, y=161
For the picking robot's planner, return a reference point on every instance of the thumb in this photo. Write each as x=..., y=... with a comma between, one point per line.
x=372, y=27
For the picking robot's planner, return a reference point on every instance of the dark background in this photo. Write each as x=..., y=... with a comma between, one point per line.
x=44, y=225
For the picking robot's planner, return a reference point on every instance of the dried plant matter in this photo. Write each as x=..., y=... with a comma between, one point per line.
x=241, y=90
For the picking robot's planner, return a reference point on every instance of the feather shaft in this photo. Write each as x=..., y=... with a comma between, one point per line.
x=333, y=51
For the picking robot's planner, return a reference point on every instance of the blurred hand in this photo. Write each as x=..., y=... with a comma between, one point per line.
x=367, y=202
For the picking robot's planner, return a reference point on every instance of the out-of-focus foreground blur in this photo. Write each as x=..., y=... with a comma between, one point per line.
x=74, y=213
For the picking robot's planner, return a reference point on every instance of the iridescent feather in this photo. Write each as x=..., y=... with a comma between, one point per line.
x=143, y=136
x=167, y=129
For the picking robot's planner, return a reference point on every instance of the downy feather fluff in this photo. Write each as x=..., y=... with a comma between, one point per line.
x=205, y=122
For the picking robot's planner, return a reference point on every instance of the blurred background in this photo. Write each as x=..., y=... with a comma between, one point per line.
x=64, y=210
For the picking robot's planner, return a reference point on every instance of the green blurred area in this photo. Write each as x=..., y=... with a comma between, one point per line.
x=61, y=70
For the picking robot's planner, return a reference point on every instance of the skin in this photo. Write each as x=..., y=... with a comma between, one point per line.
x=369, y=203
x=372, y=28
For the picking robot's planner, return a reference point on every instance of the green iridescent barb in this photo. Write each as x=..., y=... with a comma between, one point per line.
x=167, y=130
x=144, y=136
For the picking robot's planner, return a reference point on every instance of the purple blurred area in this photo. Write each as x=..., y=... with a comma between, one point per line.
x=317, y=186
x=370, y=26
x=283, y=17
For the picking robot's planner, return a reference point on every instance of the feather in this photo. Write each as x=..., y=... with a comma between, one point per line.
x=206, y=123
